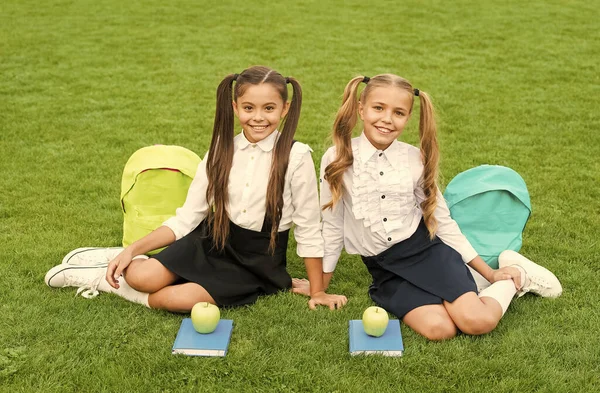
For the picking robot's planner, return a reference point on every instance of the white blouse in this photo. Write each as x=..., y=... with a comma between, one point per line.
x=248, y=182
x=380, y=204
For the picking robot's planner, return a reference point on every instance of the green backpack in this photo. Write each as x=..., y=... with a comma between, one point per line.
x=491, y=205
x=155, y=183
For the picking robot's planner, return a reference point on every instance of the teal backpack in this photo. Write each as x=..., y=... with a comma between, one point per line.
x=491, y=205
x=155, y=183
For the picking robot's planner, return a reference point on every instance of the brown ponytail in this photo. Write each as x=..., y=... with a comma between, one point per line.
x=219, y=161
x=279, y=165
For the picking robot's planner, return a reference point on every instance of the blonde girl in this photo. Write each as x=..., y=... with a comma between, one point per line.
x=380, y=200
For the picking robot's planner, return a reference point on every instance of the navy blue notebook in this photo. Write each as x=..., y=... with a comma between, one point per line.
x=190, y=342
x=389, y=344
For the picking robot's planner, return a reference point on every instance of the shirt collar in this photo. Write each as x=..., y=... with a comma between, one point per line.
x=266, y=144
x=367, y=150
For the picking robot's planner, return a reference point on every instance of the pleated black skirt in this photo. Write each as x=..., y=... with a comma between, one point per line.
x=235, y=276
x=416, y=272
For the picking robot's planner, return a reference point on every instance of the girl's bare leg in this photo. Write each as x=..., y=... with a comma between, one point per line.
x=148, y=275
x=179, y=298
x=152, y=277
x=431, y=321
x=474, y=315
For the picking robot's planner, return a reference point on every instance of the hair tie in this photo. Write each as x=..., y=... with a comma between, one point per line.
x=235, y=76
x=287, y=80
x=417, y=92
x=366, y=80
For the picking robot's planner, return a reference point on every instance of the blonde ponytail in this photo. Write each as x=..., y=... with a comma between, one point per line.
x=345, y=121
x=431, y=155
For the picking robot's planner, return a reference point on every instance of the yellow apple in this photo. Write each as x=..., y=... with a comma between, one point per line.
x=375, y=321
x=205, y=317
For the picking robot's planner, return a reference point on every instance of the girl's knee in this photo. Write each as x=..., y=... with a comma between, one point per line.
x=136, y=277
x=432, y=322
x=439, y=329
x=477, y=323
x=147, y=275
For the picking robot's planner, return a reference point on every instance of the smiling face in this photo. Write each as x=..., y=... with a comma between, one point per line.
x=259, y=110
x=385, y=112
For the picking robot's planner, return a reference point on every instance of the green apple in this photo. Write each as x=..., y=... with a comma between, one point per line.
x=375, y=321
x=205, y=317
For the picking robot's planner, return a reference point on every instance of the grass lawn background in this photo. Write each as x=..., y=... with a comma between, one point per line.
x=83, y=84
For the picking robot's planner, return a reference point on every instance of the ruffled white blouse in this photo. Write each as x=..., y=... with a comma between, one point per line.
x=248, y=182
x=380, y=205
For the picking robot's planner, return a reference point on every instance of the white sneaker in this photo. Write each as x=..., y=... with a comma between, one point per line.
x=92, y=256
x=539, y=280
x=86, y=278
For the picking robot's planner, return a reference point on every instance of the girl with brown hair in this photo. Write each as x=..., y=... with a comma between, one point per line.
x=380, y=200
x=228, y=242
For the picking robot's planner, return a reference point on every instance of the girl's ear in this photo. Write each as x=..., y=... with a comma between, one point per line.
x=360, y=110
x=286, y=108
x=235, y=108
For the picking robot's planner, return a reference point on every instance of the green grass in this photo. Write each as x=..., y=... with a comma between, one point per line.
x=83, y=84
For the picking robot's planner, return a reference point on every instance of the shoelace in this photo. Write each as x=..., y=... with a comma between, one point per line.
x=534, y=282
x=88, y=290
x=540, y=282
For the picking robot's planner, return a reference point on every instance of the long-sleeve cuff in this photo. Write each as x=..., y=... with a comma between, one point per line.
x=330, y=262
x=309, y=250
x=467, y=252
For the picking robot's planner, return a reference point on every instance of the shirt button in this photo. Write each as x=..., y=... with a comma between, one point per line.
x=254, y=145
x=252, y=158
x=383, y=197
x=244, y=211
x=389, y=239
x=384, y=219
x=247, y=184
x=381, y=173
x=380, y=154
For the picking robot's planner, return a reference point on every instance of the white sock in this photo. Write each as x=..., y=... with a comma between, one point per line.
x=501, y=291
x=125, y=290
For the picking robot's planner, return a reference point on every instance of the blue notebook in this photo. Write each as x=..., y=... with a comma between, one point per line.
x=190, y=342
x=389, y=344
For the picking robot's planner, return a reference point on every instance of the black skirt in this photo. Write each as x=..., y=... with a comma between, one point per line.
x=416, y=272
x=239, y=273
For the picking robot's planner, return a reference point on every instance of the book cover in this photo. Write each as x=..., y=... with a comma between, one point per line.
x=190, y=342
x=389, y=344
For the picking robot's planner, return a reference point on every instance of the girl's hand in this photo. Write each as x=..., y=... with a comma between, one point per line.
x=116, y=267
x=507, y=273
x=332, y=301
x=301, y=286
